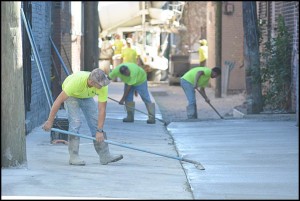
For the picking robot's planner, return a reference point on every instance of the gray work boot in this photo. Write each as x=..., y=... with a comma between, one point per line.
x=130, y=112
x=103, y=151
x=191, y=111
x=151, y=113
x=74, y=150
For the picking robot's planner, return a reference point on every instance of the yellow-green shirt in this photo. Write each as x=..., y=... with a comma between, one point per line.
x=118, y=46
x=203, y=53
x=129, y=55
x=191, y=74
x=137, y=74
x=75, y=85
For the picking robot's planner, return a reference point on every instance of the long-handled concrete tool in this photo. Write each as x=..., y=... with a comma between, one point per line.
x=210, y=104
x=197, y=164
x=165, y=123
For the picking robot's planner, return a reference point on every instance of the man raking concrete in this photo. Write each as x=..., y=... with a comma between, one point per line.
x=78, y=90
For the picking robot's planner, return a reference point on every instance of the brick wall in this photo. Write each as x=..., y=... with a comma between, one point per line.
x=61, y=38
x=53, y=19
x=290, y=11
x=67, y=35
x=232, y=45
x=211, y=29
x=39, y=107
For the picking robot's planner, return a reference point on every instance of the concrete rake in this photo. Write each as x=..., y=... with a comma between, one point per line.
x=197, y=164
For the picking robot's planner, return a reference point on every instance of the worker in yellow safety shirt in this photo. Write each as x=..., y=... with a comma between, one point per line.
x=203, y=52
x=118, y=44
x=129, y=55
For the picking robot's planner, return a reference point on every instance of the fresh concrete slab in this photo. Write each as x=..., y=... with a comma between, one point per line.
x=243, y=158
x=139, y=175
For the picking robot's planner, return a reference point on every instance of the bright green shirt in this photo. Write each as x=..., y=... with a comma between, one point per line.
x=191, y=74
x=137, y=74
x=129, y=55
x=75, y=85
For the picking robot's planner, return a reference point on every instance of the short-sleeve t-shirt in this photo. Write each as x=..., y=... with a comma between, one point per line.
x=118, y=46
x=137, y=74
x=129, y=55
x=75, y=85
x=203, y=53
x=191, y=74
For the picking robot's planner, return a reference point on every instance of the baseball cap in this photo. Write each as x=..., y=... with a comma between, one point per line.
x=203, y=42
x=99, y=76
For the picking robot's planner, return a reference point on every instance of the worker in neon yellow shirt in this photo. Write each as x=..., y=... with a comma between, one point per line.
x=135, y=79
x=118, y=44
x=191, y=80
x=129, y=55
x=203, y=52
x=78, y=91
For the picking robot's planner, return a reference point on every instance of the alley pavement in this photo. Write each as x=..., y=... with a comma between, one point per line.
x=244, y=157
x=139, y=175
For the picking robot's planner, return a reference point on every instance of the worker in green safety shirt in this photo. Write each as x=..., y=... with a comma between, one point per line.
x=191, y=80
x=135, y=80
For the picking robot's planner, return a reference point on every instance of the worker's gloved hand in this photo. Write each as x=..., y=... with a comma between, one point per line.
x=47, y=125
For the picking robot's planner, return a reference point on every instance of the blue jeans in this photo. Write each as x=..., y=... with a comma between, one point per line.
x=142, y=90
x=189, y=91
x=89, y=109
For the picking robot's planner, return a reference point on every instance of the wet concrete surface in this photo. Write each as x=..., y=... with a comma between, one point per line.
x=139, y=175
x=245, y=156
x=254, y=157
x=243, y=159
